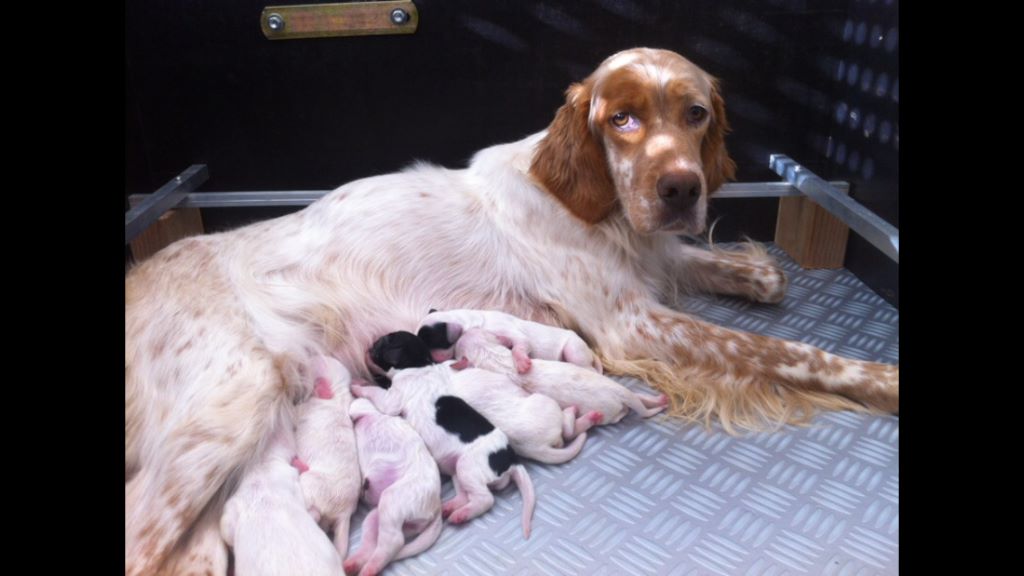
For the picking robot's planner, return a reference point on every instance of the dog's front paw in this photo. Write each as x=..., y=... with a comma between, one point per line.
x=757, y=274
x=768, y=284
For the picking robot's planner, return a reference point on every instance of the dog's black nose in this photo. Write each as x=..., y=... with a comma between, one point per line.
x=679, y=190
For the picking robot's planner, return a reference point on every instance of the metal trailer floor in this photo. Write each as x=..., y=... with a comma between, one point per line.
x=661, y=497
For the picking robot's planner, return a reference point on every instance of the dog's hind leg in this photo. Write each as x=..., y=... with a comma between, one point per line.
x=202, y=552
x=219, y=426
x=748, y=380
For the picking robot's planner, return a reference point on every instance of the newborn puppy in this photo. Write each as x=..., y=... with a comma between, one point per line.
x=327, y=447
x=403, y=485
x=601, y=399
x=535, y=424
x=397, y=350
x=266, y=521
x=440, y=330
x=465, y=445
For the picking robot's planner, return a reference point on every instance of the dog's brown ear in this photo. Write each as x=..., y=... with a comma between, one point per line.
x=570, y=161
x=718, y=166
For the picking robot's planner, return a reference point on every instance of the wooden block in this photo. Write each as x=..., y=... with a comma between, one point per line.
x=172, y=226
x=809, y=234
x=338, y=19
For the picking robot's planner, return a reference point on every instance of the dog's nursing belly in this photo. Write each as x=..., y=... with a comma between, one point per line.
x=212, y=324
x=365, y=260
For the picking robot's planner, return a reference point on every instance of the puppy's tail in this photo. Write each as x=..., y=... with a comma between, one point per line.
x=550, y=455
x=525, y=485
x=423, y=540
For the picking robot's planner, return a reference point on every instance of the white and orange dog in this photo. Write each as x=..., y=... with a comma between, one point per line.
x=575, y=226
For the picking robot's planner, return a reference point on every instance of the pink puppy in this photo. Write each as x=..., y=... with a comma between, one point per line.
x=440, y=330
x=327, y=446
x=568, y=384
x=402, y=482
x=266, y=521
x=535, y=423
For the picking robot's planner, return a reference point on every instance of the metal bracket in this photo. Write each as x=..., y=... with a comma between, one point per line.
x=340, y=19
x=872, y=227
x=168, y=196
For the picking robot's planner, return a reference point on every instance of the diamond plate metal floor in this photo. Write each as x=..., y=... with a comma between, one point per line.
x=660, y=497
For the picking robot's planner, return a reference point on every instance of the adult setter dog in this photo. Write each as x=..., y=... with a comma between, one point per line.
x=576, y=226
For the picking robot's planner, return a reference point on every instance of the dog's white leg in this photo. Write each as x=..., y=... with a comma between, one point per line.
x=476, y=495
x=390, y=537
x=749, y=272
x=367, y=544
x=457, y=501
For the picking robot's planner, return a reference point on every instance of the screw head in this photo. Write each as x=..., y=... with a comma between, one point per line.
x=399, y=16
x=275, y=22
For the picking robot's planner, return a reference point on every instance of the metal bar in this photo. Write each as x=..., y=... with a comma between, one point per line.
x=766, y=189
x=873, y=228
x=307, y=197
x=250, y=199
x=168, y=196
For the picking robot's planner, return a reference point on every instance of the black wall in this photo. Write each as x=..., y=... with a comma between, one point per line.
x=864, y=136
x=205, y=86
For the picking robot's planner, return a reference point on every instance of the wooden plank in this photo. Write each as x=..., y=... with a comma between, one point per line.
x=810, y=235
x=171, y=227
x=339, y=19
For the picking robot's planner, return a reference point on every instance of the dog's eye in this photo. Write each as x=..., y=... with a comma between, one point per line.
x=696, y=114
x=624, y=122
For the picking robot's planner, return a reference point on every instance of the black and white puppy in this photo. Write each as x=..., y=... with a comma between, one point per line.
x=465, y=445
x=526, y=339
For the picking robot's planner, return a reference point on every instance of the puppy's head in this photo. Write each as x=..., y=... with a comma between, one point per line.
x=398, y=350
x=440, y=338
x=645, y=134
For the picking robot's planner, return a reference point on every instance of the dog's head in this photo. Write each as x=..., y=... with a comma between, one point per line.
x=645, y=133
